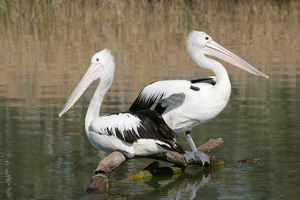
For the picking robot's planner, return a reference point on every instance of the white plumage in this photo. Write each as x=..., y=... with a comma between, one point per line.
x=184, y=104
x=163, y=89
x=133, y=133
x=107, y=125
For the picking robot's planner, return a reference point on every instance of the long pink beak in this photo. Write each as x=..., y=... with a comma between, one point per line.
x=94, y=72
x=212, y=48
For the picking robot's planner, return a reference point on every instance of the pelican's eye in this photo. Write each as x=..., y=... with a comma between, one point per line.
x=206, y=38
x=97, y=59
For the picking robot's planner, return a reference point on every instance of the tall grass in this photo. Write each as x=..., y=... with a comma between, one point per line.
x=39, y=38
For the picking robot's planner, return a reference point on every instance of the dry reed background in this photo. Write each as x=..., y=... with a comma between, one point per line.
x=47, y=45
x=146, y=37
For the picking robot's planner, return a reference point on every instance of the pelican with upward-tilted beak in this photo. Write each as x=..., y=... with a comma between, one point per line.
x=184, y=104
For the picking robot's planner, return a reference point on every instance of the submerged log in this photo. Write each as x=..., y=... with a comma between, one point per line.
x=178, y=159
x=154, y=169
x=115, y=159
x=105, y=167
x=249, y=160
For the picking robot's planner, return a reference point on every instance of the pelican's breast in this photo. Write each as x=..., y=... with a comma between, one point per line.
x=199, y=106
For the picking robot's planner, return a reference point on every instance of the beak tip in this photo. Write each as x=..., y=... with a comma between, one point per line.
x=267, y=77
x=60, y=114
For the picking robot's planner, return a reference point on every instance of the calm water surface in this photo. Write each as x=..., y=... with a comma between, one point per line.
x=46, y=46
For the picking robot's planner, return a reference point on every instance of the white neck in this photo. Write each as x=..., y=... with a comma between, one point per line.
x=93, y=111
x=207, y=63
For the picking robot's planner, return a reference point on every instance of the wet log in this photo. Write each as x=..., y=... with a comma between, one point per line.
x=249, y=160
x=105, y=167
x=154, y=169
x=115, y=159
x=178, y=159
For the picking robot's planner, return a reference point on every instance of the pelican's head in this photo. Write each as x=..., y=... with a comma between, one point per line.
x=106, y=60
x=199, y=42
x=102, y=66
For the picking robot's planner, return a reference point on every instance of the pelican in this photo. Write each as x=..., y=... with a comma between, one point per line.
x=137, y=133
x=184, y=104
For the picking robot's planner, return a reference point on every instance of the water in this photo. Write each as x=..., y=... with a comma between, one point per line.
x=47, y=46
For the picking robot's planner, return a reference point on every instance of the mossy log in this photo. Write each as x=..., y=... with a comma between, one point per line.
x=115, y=159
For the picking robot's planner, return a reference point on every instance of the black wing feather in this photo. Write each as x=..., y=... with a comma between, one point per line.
x=157, y=129
x=138, y=104
x=204, y=80
x=152, y=126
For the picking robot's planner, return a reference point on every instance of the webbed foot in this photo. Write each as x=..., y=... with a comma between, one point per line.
x=203, y=157
x=191, y=155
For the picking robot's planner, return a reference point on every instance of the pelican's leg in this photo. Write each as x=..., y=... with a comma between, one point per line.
x=191, y=155
x=127, y=154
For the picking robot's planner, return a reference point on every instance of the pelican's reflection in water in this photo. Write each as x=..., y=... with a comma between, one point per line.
x=182, y=186
x=192, y=188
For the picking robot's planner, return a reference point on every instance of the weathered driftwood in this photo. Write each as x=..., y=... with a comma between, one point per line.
x=105, y=167
x=178, y=159
x=113, y=160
